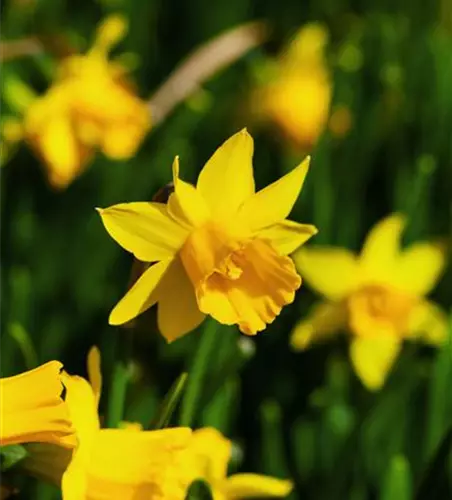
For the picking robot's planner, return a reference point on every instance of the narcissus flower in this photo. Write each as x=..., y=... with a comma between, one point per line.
x=297, y=97
x=212, y=452
x=91, y=105
x=378, y=297
x=120, y=464
x=219, y=248
x=32, y=408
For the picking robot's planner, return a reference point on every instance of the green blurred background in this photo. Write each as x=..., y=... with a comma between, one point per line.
x=299, y=415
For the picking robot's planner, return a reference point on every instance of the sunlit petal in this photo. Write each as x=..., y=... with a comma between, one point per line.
x=419, y=268
x=254, y=485
x=428, y=322
x=226, y=180
x=94, y=373
x=144, y=229
x=32, y=407
x=186, y=205
x=333, y=272
x=381, y=250
x=273, y=203
x=373, y=358
x=178, y=312
x=324, y=320
x=286, y=236
x=141, y=296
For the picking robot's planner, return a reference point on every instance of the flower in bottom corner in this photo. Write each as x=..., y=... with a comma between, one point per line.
x=219, y=248
x=91, y=105
x=211, y=453
x=33, y=409
x=118, y=464
x=378, y=296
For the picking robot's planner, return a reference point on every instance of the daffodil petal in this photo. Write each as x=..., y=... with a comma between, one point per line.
x=94, y=373
x=324, y=320
x=186, y=205
x=141, y=296
x=144, y=229
x=428, y=322
x=286, y=236
x=373, y=358
x=82, y=405
x=381, y=250
x=60, y=150
x=178, y=312
x=147, y=454
x=333, y=272
x=273, y=203
x=74, y=482
x=211, y=453
x=419, y=268
x=226, y=180
x=255, y=485
x=33, y=409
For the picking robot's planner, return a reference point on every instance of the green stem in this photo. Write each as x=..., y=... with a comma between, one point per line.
x=196, y=373
x=119, y=382
x=170, y=402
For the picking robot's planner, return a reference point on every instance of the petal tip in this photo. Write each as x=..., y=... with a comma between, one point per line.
x=113, y=319
x=176, y=169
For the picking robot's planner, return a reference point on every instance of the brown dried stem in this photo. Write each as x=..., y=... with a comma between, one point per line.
x=202, y=64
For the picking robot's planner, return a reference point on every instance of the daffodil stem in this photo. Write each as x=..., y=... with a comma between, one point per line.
x=118, y=387
x=197, y=373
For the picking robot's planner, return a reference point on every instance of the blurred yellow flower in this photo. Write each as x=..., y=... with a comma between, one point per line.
x=91, y=105
x=221, y=249
x=212, y=452
x=32, y=408
x=378, y=296
x=122, y=464
x=297, y=99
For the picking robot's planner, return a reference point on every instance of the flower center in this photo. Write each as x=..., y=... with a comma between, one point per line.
x=238, y=281
x=379, y=310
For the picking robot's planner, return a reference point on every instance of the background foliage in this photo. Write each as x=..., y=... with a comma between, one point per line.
x=303, y=415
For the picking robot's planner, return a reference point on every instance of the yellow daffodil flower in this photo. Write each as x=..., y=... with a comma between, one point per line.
x=219, y=248
x=212, y=452
x=32, y=408
x=122, y=464
x=297, y=99
x=91, y=105
x=378, y=297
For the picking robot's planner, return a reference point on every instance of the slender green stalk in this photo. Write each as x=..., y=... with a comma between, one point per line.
x=119, y=380
x=170, y=402
x=197, y=372
x=20, y=335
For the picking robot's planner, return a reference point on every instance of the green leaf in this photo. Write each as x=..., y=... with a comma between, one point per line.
x=197, y=373
x=199, y=490
x=397, y=484
x=439, y=400
x=170, y=401
x=11, y=455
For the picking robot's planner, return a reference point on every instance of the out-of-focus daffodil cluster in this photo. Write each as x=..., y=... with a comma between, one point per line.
x=378, y=297
x=91, y=105
x=296, y=99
